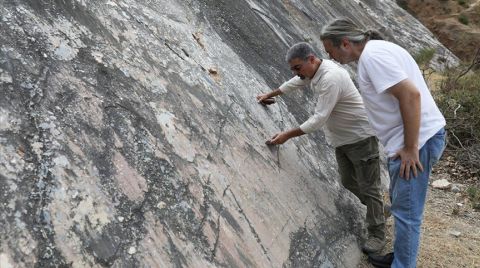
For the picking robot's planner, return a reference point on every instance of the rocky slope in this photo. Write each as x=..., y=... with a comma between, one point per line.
x=130, y=136
x=456, y=23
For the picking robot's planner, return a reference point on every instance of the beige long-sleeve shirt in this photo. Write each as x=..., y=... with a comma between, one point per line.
x=339, y=105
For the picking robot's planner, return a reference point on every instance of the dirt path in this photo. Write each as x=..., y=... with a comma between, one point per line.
x=449, y=239
x=450, y=230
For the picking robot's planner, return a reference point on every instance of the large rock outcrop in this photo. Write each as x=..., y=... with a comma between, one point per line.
x=130, y=136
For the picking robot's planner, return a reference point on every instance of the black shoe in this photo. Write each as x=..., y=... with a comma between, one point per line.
x=381, y=261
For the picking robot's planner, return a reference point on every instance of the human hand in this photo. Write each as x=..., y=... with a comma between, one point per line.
x=264, y=99
x=279, y=138
x=410, y=162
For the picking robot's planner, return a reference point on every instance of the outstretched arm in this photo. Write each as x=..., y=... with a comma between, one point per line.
x=267, y=98
x=328, y=97
x=282, y=137
x=292, y=84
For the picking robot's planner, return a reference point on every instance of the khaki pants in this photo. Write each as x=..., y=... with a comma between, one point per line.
x=359, y=168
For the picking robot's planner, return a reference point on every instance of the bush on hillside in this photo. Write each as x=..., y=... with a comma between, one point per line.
x=424, y=56
x=462, y=3
x=463, y=19
x=458, y=98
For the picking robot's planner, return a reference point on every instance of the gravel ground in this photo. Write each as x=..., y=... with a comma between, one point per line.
x=451, y=227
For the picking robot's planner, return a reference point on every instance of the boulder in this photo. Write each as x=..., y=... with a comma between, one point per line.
x=130, y=135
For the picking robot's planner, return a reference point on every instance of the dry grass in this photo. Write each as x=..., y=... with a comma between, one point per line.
x=439, y=248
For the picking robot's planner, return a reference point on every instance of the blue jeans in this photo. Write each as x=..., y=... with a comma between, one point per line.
x=408, y=201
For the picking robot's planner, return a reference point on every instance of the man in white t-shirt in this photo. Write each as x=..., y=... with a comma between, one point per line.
x=406, y=119
x=339, y=107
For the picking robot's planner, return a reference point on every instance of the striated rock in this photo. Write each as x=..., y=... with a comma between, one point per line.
x=130, y=135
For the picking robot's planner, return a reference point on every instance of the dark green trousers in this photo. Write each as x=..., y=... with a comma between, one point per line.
x=359, y=168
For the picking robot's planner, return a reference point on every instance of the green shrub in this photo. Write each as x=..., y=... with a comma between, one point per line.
x=403, y=4
x=474, y=195
x=463, y=19
x=459, y=101
x=424, y=56
x=461, y=107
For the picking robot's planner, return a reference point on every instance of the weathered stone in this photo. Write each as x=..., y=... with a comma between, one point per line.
x=130, y=135
x=454, y=233
x=455, y=188
x=441, y=184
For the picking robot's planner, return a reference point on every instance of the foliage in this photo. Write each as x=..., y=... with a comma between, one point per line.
x=474, y=195
x=462, y=2
x=403, y=4
x=463, y=19
x=424, y=56
x=459, y=101
x=461, y=107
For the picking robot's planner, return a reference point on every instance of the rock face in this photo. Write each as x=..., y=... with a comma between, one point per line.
x=130, y=136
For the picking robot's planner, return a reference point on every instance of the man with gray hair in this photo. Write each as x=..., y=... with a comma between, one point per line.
x=407, y=122
x=340, y=109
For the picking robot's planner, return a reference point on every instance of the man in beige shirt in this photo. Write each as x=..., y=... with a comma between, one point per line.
x=339, y=107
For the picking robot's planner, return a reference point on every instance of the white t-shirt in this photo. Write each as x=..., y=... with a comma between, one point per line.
x=382, y=65
x=339, y=105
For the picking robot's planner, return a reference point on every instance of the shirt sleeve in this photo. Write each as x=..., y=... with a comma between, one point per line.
x=327, y=99
x=294, y=83
x=384, y=70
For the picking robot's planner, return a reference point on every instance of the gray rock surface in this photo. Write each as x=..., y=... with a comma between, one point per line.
x=130, y=136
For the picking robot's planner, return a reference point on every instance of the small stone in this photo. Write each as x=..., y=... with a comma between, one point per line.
x=161, y=205
x=457, y=208
x=455, y=233
x=455, y=189
x=441, y=184
x=132, y=250
x=26, y=85
x=121, y=219
x=48, y=253
x=5, y=78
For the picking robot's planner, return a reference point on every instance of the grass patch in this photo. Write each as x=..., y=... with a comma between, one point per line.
x=474, y=195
